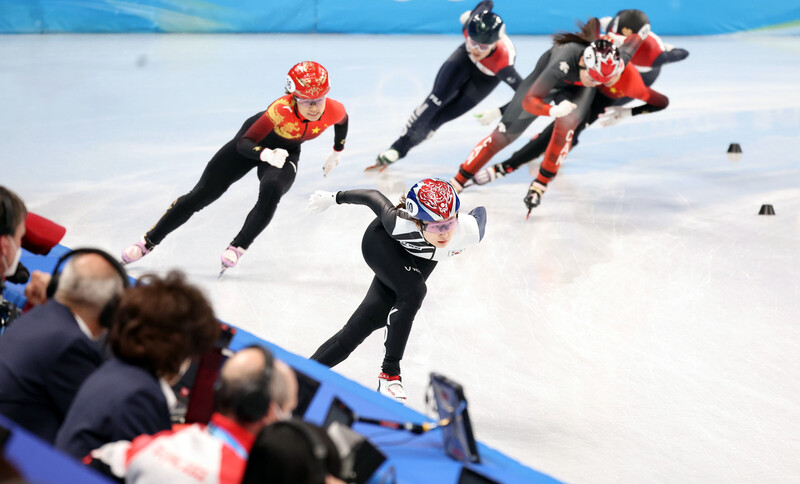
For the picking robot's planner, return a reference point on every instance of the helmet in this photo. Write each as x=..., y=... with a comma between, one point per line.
x=602, y=60
x=628, y=19
x=432, y=200
x=308, y=80
x=484, y=28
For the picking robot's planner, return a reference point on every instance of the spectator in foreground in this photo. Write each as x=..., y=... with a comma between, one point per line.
x=48, y=352
x=159, y=325
x=253, y=391
x=293, y=452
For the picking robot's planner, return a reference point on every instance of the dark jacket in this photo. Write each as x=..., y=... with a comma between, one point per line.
x=44, y=359
x=119, y=401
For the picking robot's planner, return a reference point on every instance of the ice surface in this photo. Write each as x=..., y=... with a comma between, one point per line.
x=642, y=326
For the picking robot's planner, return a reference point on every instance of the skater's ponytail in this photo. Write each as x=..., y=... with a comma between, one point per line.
x=587, y=33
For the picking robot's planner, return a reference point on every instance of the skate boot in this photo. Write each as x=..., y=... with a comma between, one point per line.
x=534, y=196
x=230, y=257
x=488, y=175
x=392, y=386
x=385, y=159
x=134, y=252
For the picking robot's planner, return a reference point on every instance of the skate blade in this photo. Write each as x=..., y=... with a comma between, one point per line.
x=221, y=271
x=376, y=168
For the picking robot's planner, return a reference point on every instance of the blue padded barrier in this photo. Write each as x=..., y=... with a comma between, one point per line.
x=523, y=17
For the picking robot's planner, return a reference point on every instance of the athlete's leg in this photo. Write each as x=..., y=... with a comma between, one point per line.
x=369, y=316
x=273, y=184
x=225, y=168
x=560, y=142
x=452, y=76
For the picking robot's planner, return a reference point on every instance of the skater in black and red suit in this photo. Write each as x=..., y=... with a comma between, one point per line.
x=402, y=246
x=269, y=141
x=567, y=75
x=471, y=72
x=634, y=84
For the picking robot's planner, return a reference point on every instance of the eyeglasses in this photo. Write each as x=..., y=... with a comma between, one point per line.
x=481, y=47
x=441, y=226
x=309, y=102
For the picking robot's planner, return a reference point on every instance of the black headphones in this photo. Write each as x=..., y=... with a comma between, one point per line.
x=8, y=217
x=108, y=309
x=319, y=450
x=250, y=402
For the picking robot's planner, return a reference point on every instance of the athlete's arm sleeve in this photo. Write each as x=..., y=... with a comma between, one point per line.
x=510, y=76
x=655, y=102
x=670, y=56
x=480, y=215
x=632, y=44
x=375, y=200
x=340, y=133
x=484, y=6
x=533, y=102
x=248, y=145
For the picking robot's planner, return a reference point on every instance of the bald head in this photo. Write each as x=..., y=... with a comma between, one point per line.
x=247, y=364
x=89, y=280
x=283, y=387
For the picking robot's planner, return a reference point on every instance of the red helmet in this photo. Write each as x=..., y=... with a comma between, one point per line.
x=308, y=80
x=602, y=60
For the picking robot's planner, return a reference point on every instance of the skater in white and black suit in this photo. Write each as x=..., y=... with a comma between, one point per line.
x=470, y=74
x=402, y=246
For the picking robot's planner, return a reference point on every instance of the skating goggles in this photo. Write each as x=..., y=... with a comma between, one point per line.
x=309, y=102
x=440, y=227
x=481, y=47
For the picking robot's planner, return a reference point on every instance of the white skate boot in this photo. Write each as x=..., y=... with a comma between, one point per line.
x=392, y=386
x=488, y=175
x=385, y=159
x=230, y=257
x=136, y=251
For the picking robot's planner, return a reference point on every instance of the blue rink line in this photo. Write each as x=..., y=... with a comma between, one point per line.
x=410, y=458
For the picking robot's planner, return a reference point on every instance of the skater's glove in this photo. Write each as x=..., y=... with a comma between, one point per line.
x=486, y=117
x=330, y=162
x=562, y=109
x=613, y=115
x=604, y=23
x=321, y=201
x=276, y=157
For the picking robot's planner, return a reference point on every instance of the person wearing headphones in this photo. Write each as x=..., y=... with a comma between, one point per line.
x=48, y=352
x=158, y=326
x=253, y=390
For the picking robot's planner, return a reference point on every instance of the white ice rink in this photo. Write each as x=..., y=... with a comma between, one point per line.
x=642, y=326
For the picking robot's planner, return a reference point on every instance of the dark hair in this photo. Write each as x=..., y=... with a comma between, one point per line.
x=12, y=211
x=285, y=453
x=162, y=321
x=587, y=33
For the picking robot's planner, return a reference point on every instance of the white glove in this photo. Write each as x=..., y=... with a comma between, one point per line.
x=644, y=31
x=321, y=200
x=604, y=21
x=562, y=109
x=276, y=157
x=486, y=117
x=613, y=115
x=617, y=39
x=330, y=162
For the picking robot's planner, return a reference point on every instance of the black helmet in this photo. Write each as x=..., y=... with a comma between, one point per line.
x=628, y=19
x=484, y=28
